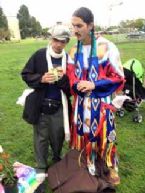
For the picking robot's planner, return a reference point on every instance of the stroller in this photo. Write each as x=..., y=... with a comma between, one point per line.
x=134, y=74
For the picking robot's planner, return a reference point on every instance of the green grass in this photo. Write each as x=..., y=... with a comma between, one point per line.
x=16, y=135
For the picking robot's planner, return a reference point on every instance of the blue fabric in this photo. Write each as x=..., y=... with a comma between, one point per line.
x=53, y=92
x=80, y=65
x=110, y=121
x=93, y=65
x=105, y=88
x=80, y=116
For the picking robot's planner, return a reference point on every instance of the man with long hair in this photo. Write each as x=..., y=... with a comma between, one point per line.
x=94, y=76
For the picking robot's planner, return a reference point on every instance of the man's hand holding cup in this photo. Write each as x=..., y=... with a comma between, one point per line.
x=60, y=72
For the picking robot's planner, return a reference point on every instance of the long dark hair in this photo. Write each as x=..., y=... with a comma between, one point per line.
x=88, y=17
x=85, y=14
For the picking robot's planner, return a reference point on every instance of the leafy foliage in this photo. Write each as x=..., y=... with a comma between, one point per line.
x=36, y=28
x=3, y=20
x=4, y=32
x=29, y=26
x=134, y=24
x=7, y=172
x=24, y=21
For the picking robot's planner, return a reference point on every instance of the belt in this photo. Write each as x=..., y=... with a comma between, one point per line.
x=51, y=101
x=50, y=106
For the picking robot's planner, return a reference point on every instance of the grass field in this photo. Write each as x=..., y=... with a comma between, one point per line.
x=16, y=135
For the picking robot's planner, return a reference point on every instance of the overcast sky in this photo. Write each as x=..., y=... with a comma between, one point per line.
x=48, y=12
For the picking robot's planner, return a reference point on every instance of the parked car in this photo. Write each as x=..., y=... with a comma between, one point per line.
x=136, y=35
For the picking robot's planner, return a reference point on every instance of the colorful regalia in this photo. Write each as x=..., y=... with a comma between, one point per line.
x=93, y=128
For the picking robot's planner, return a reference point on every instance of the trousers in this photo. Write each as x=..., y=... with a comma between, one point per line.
x=49, y=132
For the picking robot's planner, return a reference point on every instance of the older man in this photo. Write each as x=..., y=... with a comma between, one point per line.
x=44, y=108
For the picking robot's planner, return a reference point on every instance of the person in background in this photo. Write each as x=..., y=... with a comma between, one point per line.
x=46, y=108
x=95, y=75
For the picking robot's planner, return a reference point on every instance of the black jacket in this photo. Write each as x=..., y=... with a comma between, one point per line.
x=32, y=74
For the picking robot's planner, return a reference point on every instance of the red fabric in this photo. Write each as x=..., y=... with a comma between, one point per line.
x=70, y=71
x=109, y=73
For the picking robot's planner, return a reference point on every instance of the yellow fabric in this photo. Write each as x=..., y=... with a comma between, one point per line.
x=104, y=138
x=108, y=157
x=101, y=50
x=72, y=52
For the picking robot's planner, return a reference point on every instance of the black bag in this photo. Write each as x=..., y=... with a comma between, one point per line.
x=50, y=106
x=67, y=176
x=32, y=106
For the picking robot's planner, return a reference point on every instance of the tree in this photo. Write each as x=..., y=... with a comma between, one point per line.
x=3, y=20
x=29, y=26
x=139, y=23
x=4, y=32
x=45, y=33
x=133, y=24
x=24, y=21
x=36, y=29
x=97, y=28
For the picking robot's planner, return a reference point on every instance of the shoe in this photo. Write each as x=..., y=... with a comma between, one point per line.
x=40, y=177
x=113, y=177
x=92, y=169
